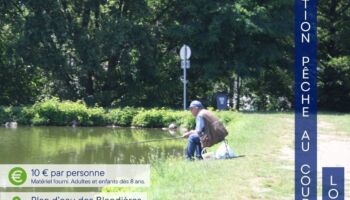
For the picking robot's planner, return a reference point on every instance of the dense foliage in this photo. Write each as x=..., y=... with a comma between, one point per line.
x=334, y=55
x=67, y=113
x=120, y=53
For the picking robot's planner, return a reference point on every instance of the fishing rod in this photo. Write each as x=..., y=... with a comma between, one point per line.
x=155, y=140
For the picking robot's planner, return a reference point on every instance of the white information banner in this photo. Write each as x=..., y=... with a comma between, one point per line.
x=61, y=175
x=73, y=196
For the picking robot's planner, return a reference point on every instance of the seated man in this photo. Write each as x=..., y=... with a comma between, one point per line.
x=209, y=130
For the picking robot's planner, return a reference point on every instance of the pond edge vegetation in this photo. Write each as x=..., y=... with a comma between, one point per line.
x=53, y=112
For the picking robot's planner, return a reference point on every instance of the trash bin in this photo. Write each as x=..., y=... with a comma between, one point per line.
x=221, y=101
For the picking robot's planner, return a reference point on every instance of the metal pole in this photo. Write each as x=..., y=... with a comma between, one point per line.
x=185, y=78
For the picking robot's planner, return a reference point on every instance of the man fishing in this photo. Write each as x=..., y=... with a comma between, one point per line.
x=208, y=131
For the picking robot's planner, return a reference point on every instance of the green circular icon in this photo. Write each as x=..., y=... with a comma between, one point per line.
x=17, y=176
x=16, y=198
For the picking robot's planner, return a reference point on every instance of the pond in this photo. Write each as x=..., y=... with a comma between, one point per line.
x=85, y=145
x=98, y=145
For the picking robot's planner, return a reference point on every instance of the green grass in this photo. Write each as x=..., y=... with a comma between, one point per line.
x=267, y=171
x=334, y=124
x=262, y=174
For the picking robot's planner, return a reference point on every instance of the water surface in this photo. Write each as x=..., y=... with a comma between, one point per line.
x=98, y=145
x=66, y=145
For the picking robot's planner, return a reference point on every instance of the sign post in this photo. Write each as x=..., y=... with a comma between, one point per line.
x=185, y=54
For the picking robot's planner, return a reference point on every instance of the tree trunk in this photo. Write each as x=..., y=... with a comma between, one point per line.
x=238, y=92
x=231, y=95
x=111, y=73
x=90, y=84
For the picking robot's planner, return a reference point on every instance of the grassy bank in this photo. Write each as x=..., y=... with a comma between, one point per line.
x=263, y=174
x=334, y=124
x=52, y=112
x=267, y=171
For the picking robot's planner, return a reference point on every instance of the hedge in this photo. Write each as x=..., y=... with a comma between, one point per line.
x=53, y=112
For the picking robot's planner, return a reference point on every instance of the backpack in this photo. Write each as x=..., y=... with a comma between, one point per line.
x=214, y=130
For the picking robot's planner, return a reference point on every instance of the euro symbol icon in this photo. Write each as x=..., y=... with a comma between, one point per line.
x=17, y=176
x=45, y=172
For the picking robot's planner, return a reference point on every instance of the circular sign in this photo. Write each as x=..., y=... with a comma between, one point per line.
x=185, y=52
x=17, y=176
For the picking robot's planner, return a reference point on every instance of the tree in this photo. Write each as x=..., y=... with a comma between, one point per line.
x=119, y=53
x=95, y=49
x=19, y=83
x=227, y=39
x=334, y=55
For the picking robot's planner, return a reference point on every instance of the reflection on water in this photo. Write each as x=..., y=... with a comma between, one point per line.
x=66, y=145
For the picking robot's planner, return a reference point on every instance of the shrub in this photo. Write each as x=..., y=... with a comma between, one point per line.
x=168, y=117
x=148, y=118
x=23, y=115
x=4, y=115
x=47, y=111
x=162, y=118
x=54, y=112
x=96, y=117
x=185, y=119
x=68, y=111
x=122, y=116
x=155, y=118
x=39, y=121
x=63, y=113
